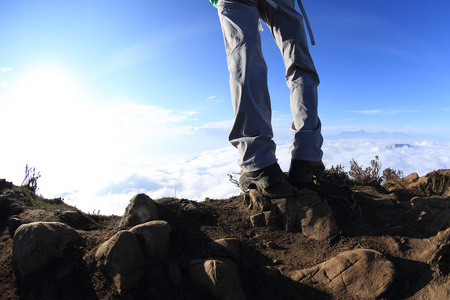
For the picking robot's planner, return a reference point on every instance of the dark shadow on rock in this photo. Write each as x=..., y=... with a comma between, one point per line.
x=187, y=242
x=420, y=217
x=161, y=286
x=381, y=218
x=411, y=277
x=5, y=185
x=185, y=218
x=268, y=284
x=341, y=198
x=77, y=220
x=372, y=210
x=4, y=213
x=444, y=262
x=64, y=278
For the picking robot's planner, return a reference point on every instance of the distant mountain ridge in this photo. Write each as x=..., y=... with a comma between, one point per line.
x=380, y=135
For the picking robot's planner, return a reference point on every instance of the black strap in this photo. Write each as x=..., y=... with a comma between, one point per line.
x=305, y=17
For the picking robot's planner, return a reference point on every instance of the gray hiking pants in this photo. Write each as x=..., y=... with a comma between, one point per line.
x=252, y=131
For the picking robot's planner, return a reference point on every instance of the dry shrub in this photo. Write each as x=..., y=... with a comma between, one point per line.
x=31, y=178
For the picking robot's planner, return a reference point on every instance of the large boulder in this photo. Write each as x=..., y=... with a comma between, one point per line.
x=433, y=183
x=219, y=276
x=37, y=244
x=141, y=209
x=154, y=237
x=361, y=273
x=49, y=261
x=120, y=258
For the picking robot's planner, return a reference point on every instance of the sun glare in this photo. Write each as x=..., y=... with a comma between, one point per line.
x=44, y=101
x=46, y=85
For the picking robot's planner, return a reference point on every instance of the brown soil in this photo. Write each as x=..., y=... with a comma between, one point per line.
x=364, y=218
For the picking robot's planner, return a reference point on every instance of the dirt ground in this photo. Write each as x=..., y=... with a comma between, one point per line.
x=368, y=217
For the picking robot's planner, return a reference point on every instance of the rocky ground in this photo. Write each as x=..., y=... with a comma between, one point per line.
x=393, y=243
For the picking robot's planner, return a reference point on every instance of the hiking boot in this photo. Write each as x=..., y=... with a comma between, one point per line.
x=281, y=189
x=263, y=178
x=304, y=172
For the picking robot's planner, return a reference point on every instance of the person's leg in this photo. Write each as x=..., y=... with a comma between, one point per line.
x=287, y=28
x=252, y=132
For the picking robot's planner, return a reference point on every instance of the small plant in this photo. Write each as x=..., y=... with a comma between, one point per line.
x=390, y=175
x=367, y=176
x=31, y=178
x=337, y=174
x=233, y=180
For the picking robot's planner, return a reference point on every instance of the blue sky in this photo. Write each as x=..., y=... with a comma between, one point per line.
x=108, y=98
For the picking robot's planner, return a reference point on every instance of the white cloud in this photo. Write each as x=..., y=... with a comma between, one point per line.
x=151, y=114
x=195, y=179
x=421, y=157
x=78, y=144
x=213, y=99
x=384, y=111
x=225, y=125
x=207, y=174
x=4, y=69
x=368, y=112
x=98, y=157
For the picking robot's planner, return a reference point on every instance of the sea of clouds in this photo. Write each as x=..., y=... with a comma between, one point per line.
x=97, y=154
x=208, y=174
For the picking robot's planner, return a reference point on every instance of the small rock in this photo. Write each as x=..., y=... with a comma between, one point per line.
x=5, y=184
x=271, y=245
x=13, y=223
x=317, y=218
x=121, y=259
x=155, y=238
x=218, y=276
x=76, y=219
x=228, y=245
x=56, y=201
x=15, y=209
x=411, y=178
x=308, y=213
x=72, y=215
x=258, y=220
x=192, y=207
x=270, y=218
x=140, y=210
